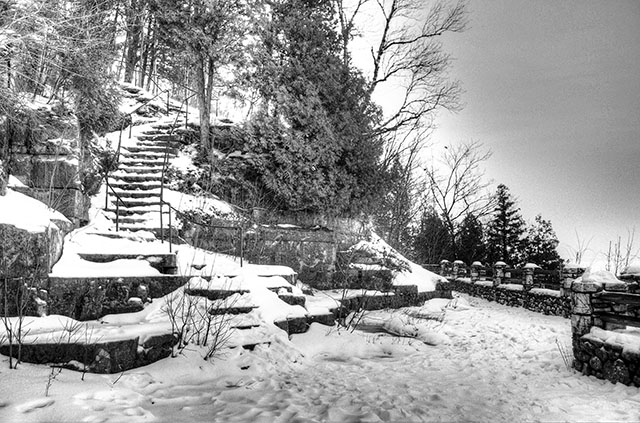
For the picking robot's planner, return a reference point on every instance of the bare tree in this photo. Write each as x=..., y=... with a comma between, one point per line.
x=457, y=185
x=619, y=256
x=582, y=246
x=403, y=203
x=410, y=55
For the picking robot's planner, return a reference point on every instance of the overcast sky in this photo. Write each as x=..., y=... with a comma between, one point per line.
x=553, y=89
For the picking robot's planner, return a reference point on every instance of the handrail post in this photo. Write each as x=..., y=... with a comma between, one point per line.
x=161, y=223
x=170, y=230
x=117, y=215
x=106, y=196
x=241, y=245
x=167, y=101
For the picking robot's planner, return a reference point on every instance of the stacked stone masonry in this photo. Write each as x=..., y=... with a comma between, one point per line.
x=598, y=310
x=541, y=301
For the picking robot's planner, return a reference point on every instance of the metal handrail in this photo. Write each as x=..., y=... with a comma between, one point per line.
x=165, y=163
x=106, y=175
x=118, y=201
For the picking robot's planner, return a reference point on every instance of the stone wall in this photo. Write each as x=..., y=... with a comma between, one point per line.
x=602, y=345
x=312, y=251
x=93, y=297
x=544, y=301
x=26, y=258
x=43, y=155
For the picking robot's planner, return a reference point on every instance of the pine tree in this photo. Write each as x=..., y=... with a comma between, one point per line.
x=470, y=240
x=540, y=243
x=432, y=241
x=311, y=136
x=505, y=230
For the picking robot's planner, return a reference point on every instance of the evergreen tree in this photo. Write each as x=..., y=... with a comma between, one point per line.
x=505, y=230
x=206, y=35
x=540, y=243
x=311, y=137
x=470, y=240
x=432, y=242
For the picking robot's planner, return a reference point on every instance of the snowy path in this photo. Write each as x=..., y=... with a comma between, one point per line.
x=502, y=364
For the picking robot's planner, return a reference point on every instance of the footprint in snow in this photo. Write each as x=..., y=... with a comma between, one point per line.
x=29, y=406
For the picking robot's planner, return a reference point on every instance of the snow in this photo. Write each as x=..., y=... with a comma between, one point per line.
x=544, y=291
x=598, y=277
x=412, y=274
x=26, y=213
x=201, y=204
x=628, y=339
x=632, y=269
x=500, y=364
x=511, y=286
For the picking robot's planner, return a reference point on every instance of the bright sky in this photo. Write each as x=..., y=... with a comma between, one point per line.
x=553, y=89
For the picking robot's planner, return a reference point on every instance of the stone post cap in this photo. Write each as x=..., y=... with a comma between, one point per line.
x=459, y=262
x=444, y=261
x=500, y=264
x=476, y=264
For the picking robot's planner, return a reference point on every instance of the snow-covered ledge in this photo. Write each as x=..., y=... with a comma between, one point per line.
x=32, y=237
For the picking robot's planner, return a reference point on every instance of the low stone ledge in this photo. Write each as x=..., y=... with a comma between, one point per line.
x=603, y=360
x=293, y=325
x=538, y=300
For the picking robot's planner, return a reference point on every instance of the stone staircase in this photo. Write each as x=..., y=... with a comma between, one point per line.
x=138, y=179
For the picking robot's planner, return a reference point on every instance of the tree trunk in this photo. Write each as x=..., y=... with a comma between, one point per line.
x=134, y=32
x=203, y=95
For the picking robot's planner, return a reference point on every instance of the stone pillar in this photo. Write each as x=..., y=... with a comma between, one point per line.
x=582, y=309
x=445, y=268
x=475, y=271
x=527, y=283
x=458, y=267
x=498, y=272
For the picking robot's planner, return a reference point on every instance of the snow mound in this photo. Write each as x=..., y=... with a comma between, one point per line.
x=599, y=277
x=27, y=213
x=406, y=272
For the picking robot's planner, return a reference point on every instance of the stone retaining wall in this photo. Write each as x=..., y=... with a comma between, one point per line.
x=92, y=298
x=602, y=346
x=604, y=360
x=540, y=300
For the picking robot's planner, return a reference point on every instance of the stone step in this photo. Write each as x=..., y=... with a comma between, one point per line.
x=147, y=193
x=293, y=325
x=145, y=148
x=248, y=339
x=165, y=263
x=58, y=288
x=134, y=177
x=140, y=169
x=140, y=186
x=162, y=144
x=218, y=311
x=142, y=155
x=160, y=137
x=158, y=161
x=214, y=294
x=132, y=211
x=155, y=230
x=244, y=321
x=128, y=202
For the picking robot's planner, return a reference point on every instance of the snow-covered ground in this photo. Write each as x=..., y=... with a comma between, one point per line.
x=494, y=363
